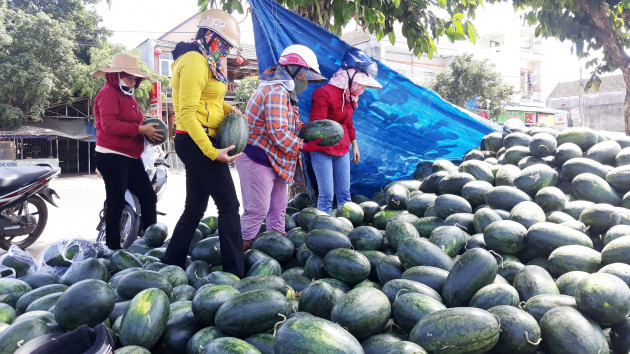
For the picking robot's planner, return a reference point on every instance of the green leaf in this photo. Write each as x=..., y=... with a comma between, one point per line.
x=392, y=37
x=442, y=3
x=472, y=32
x=396, y=3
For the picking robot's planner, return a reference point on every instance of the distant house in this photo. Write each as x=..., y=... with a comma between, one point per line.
x=157, y=54
x=603, y=110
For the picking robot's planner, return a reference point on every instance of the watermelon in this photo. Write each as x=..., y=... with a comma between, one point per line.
x=505, y=197
x=20, y=332
x=538, y=305
x=450, y=239
x=207, y=250
x=536, y=177
x=448, y=204
x=328, y=130
x=306, y=215
x=551, y=199
x=456, y=330
x=419, y=203
x=566, y=152
x=179, y=329
x=506, y=175
x=328, y=222
x=533, y=280
x=582, y=137
x=617, y=251
x=454, y=183
x=262, y=341
x=396, y=196
x=160, y=125
x=604, y=152
x=475, y=192
x=133, y=283
x=616, y=232
x=251, y=312
x=567, y=282
x=370, y=209
x=520, y=332
x=418, y=251
x=363, y=312
x=548, y=236
x=578, y=166
x=515, y=154
x=302, y=334
x=505, y=236
x=209, y=298
x=318, y=299
x=601, y=217
x=431, y=183
x=314, y=267
x=366, y=238
x=516, y=139
x=574, y=258
x=230, y=345
x=566, y=330
x=493, y=141
x=483, y=218
x=25, y=300
x=619, y=178
x=595, y=189
x=7, y=313
x=156, y=234
x=475, y=269
x=39, y=279
x=202, y=338
x=543, y=144
x=145, y=320
x=347, y=265
x=409, y=308
x=352, y=212
x=603, y=297
x=478, y=169
x=388, y=268
x=265, y=267
x=398, y=230
x=620, y=337
x=233, y=130
x=320, y=241
x=12, y=289
x=494, y=295
x=88, y=302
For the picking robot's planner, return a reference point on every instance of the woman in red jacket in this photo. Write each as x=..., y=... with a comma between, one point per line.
x=119, y=144
x=337, y=101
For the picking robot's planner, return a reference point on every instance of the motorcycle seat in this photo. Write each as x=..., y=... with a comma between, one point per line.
x=13, y=178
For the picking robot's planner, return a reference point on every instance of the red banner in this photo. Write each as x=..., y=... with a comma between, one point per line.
x=156, y=100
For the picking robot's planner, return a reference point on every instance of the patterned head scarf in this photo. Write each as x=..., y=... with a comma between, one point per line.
x=216, y=52
x=341, y=79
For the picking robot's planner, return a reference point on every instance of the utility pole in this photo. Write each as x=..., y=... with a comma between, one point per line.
x=581, y=100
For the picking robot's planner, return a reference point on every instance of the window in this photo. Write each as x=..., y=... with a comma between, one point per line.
x=165, y=64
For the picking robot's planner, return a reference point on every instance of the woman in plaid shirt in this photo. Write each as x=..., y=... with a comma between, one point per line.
x=271, y=156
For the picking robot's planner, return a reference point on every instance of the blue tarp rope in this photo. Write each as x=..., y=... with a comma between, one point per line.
x=397, y=126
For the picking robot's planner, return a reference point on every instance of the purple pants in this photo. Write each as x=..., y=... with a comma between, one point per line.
x=264, y=195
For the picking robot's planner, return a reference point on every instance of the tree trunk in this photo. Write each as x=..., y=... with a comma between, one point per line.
x=626, y=101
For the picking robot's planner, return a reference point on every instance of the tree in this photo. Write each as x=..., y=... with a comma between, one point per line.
x=245, y=90
x=467, y=77
x=595, y=27
x=36, y=64
x=422, y=21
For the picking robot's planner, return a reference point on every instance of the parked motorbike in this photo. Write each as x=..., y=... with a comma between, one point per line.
x=23, y=211
x=154, y=161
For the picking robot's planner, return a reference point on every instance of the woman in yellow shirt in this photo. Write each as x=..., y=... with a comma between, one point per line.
x=199, y=86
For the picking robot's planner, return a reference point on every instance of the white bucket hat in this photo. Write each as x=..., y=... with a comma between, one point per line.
x=123, y=62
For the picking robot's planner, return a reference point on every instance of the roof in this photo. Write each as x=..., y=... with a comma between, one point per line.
x=359, y=36
x=612, y=83
x=178, y=26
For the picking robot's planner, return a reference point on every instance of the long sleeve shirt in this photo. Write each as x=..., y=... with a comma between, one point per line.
x=273, y=127
x=198, y=100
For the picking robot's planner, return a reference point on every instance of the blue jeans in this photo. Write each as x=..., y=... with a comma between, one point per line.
x=333, y=179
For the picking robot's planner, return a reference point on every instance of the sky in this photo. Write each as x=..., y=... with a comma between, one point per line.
x=133, y=21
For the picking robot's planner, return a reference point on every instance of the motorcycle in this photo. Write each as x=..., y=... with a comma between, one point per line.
x=24, y=192
x=155, y=165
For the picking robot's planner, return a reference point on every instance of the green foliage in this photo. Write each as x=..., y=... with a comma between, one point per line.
x=594, y=28
x=36, y=64
x=245, y=90
x=467, y=77
x=422, y=22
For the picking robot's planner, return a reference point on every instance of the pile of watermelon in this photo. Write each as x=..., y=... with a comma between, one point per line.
x=522, y=247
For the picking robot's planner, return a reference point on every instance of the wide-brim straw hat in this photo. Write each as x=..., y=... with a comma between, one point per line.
x=123, y=63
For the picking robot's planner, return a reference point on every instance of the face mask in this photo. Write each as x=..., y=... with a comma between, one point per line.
x=293, y=97
x=300, y=86
x=128, y=91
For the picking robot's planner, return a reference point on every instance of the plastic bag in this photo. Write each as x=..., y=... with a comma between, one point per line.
x=6, y=272
x=64, y=256
x=20, y=260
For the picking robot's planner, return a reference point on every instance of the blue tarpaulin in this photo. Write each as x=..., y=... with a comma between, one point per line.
x=397, y=126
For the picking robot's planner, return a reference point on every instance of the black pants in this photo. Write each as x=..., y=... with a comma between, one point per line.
x=119, y=173
x=206, y=178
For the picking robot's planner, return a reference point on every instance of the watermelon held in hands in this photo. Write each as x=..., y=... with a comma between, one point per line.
x=328, y=130
x=234, y=130
x=161, y=125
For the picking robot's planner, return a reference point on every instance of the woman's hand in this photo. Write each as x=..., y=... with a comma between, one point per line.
x=150, y=131
x=236, y=110
x=224, y=157
x=356, y=155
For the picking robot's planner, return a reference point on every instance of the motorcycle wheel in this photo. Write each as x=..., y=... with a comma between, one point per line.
x=129, y=227
x=37, y=208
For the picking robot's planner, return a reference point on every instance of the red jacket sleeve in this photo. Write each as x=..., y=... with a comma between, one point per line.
x=109, y=107
x=319, y=105
x=352, y=133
